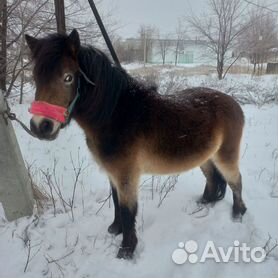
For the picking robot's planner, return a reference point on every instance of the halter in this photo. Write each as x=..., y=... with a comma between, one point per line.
x=56, y=112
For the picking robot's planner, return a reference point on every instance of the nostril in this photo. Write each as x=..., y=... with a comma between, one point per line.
x=46, y=127
x=33, y=127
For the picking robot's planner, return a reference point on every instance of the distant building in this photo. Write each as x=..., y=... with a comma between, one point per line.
x=170, y=51
x=273, y=55
x=180, y=52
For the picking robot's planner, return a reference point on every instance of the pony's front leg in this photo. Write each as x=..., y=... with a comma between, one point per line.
x=127, y=193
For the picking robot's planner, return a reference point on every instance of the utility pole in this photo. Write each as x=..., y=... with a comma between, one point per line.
x=16, y=194
x=60, y=16
x=3, y=44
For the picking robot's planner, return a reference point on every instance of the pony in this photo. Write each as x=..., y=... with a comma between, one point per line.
x=131, y=129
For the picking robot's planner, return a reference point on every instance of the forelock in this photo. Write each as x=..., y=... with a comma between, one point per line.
x=48, y=56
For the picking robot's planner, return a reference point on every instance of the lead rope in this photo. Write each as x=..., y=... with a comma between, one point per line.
x=86, y=77
x=7, y=114
x=104, y=34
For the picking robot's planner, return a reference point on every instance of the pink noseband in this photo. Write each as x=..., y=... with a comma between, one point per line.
x=50, y=111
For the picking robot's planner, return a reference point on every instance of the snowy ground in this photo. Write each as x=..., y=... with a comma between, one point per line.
x=81, y=247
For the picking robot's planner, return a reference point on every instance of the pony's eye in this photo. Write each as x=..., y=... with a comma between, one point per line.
x=68, y=78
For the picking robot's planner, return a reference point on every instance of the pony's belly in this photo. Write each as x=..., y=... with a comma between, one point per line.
x=163, y=166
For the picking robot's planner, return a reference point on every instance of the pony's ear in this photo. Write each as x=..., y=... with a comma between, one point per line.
x=74, y=41
x=32, y=42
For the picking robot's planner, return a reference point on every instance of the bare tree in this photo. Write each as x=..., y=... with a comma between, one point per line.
x=180, y=37
x=146, y=35
x=220, y=27
x=164, y=47
x=124, y=50
x=258, y=41
x=264, y=7
x=78, y=15
x=24, y=17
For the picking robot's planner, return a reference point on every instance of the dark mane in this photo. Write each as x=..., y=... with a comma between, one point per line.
x=98, y=103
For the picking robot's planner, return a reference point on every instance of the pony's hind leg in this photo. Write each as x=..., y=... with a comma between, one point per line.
x=116, y=227
x=215, y=183
x=230, y=172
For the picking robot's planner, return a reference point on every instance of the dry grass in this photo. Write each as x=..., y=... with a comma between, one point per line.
x=40, y=196
x=184, y=71
x=155, y=69
x=235, y=69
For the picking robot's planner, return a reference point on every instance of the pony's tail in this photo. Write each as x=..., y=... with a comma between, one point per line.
x=220, y=185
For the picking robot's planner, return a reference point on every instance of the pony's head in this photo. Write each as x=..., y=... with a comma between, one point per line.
x=55, y=72
x=63, y=69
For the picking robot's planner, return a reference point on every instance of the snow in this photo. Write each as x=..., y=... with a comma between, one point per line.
x=133, y=66
x=63, y=247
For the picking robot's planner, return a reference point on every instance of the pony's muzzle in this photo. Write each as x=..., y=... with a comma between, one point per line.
x=44, y=128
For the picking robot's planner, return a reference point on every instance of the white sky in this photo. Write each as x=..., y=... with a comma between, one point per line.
x=163, y=14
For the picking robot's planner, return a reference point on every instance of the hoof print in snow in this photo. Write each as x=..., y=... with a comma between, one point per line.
x=197, y=209
x=237, y=218
x=204, y=202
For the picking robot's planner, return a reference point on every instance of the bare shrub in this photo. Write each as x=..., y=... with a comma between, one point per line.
x=54, y=184
x=172, y=84
x=270, y=245
x=159, y=187
x=40, y=195
x=148, y=76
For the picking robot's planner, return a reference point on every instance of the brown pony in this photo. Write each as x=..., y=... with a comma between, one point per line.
x=131, y=129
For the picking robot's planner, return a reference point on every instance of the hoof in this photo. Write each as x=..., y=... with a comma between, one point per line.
x=239, y=211
x=125, y=253
x=115, y=228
